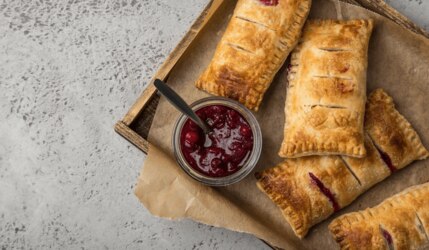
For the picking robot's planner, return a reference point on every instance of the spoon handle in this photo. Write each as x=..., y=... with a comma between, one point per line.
x=180, y=104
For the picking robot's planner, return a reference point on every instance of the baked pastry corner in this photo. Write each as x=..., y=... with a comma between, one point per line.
x=392, y=134
x=399, y=222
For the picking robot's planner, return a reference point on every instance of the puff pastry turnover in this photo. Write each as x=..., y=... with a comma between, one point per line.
x=325, y=103
x=399, y=222
x=257, y=41
x=310, y=189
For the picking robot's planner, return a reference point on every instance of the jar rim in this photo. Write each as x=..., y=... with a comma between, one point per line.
x=250, y=164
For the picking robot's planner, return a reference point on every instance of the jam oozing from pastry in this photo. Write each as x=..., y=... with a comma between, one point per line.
x=269, y=2
x=387, y=237
x=325, y=191
x=222, y=152
x=387, y=160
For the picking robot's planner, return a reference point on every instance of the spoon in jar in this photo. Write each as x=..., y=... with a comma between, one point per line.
x=180, y=104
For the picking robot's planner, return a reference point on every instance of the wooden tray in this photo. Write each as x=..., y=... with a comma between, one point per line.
x=136, y=123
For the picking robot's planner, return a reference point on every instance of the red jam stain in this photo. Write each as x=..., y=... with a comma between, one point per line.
x=345, y=88
x=222, y=152
x=387, y=160
x=388, y=237
x=269, y=2
x=345, y=69
x=325, y=191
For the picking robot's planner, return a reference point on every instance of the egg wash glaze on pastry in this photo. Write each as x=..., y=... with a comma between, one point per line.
x=310, y=189
x=325, y=103
x=256, y=43
x=399, y=222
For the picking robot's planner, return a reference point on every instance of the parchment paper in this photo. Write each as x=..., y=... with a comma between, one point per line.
x=398, y=62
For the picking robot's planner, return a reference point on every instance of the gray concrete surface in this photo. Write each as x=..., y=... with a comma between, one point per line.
x=68, y=71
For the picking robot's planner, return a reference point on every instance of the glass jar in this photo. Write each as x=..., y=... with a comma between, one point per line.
x=247, y=166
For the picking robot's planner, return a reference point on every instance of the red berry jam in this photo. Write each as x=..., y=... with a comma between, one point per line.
x=386, y=158
x=387, y=237
x=222, y=152
x=326, y=191
x=269, y=2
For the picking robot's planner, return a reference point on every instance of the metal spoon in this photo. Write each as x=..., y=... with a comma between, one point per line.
x=180, y=104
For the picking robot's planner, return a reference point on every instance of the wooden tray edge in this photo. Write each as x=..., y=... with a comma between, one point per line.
x=171, y=60
x=125, y=131
x=123, y=127
x=382, y=8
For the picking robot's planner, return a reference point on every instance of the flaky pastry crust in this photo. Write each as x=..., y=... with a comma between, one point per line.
x=399, y=222
x=392, y=134
x=310, y=189
x=293, y=185
x=255, y=45
x=325, y=103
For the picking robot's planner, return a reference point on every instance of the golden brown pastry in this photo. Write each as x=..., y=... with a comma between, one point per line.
x=310, y=189
x=257, y=41
x=325, y=103
x=399, y=222
x=392, y=134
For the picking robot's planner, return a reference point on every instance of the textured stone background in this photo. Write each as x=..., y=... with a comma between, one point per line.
x=68, y=71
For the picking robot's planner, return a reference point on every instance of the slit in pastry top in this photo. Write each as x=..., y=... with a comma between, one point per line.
x=329, y=70
x=256, y=43
x=399, y=222
x=310, y=189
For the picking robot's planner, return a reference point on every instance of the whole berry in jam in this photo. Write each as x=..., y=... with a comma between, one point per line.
x=192, y=137
x=245, y=131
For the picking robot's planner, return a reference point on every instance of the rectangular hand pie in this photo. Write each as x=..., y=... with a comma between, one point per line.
x=325, y=103
x=257, y=41
x=310, y=189
x=399, y=222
